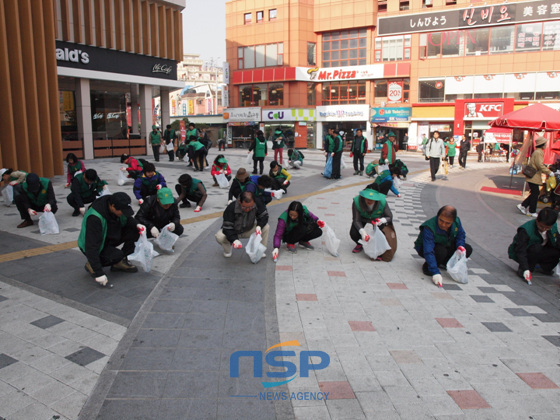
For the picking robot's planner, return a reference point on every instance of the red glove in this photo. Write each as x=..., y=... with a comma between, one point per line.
x=158, y=187
x=462, y=250
x=351, y=154
x=272, y=194
x=320, y=223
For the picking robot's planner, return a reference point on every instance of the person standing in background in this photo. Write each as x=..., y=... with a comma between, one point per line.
x=389, y=150
x=278, y=145
x=155, y=141
x=435, y=150
x=464, y=148
x=451, y=151
x=169, y=136
x=358, y=151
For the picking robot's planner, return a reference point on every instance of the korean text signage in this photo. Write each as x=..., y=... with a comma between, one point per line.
x=242, y=114
x=343, y=113
x=486, y=110
x=84, y=57
x=488, y=15
x=288, y=115
x=381, y=115
x=325, y=74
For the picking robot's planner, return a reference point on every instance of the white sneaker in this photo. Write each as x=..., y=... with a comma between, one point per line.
x=532, y=214
x=522, y=209
x=228, y=254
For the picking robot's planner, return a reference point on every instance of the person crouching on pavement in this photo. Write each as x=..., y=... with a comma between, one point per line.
x=371, y=207
x=107, y=224
x=536, y=242
x=296, y=225
x=241, y=218
x=280, y=175
x=220, y=166
x=134, y=168
x=158, y=211
x=149, y=183
x=257, y=185
x=295, y=158
x=384, y=182
x=32, y=196
x=191, y=189
x=239, y=184
x=85, y=188
x=438, y=240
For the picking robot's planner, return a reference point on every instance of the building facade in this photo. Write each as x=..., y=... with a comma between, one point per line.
x=411, y=67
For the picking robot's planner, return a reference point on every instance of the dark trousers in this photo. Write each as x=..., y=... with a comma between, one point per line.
x=111, y=254
x=260, y=160
x=434, y=167
x=71, y=199
x=451, y=160
x=171, y=154
x=358, y=158
x=179, y=229
x=302, y=234
x=336, y=165
x=145, y=191
x=199, y=159
x=278, y=184
x=463, y=159
x=547, y=256
x=196, y=196
x=23, y=204
x=390, y=235
x=443, y=253
x=383, y=188
x=480, y=156
x=222, y=145
x=155, y=149
x=531, y=201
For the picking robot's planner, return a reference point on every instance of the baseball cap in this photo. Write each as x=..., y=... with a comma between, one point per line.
x=121, y=201
x=371, y=194
x=222, y=160
x=165, y=196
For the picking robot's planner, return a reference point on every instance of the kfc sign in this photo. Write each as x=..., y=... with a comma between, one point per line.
x=484, y=110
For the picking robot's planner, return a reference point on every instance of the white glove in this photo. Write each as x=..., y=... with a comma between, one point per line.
x=237, y=244
x=527, y=276
x=32, y=212
x=197, y=209
x=332, y=155
x=249, y=152
x=141, y=228
x=102, y=280
x=140, y=202
x=275, y=254
x=258, y=230
x=229, y=202
x=382, y=221
x=365, y=236
x=437, y=279
x=123, y=169
x=154, y=231
x=551, y=174
x=285, y=182
x=158, y=187
x=325, y=153
x=171, y=227
x=13, y=183
x=398, y=195
x=105, y=187
x=47, y=207
x=82, y=210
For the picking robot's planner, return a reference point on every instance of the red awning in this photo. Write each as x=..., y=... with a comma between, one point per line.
x=537, y=117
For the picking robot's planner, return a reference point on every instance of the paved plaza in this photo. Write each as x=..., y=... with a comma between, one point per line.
x=158, y=345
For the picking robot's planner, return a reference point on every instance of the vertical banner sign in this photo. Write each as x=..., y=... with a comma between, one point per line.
x=183, y=130
x=225, y=68
x=394, y=92
x=191, y=107
x=225, y=96
x=173, y=107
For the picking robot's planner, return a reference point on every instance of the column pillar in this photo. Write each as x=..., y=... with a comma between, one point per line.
x=83, y=116
x=134, y=108
x=165, y=108
x=146, y=113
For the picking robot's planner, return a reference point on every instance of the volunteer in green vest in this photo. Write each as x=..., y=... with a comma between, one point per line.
x=451, y=150
x=159, y=211
x=335, y=145
x=358, y=150
x=155, y=141
x=260, y=150
x=439, y=238
x=280, y=176
x=11, y=177
x=389, y=150
x=371, y=207
x=75, y=166
x=198, y=153
x=295, y=158
x=32, y=196
x=134, y=168
x=169, y=135
x=191, y=189
x=84, y=190
x=536, y=242
x=296, y=225
x=239, y=184
x=278, y=145
x=107, y=224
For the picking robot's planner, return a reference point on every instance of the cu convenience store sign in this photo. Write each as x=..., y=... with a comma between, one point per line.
x=470, y=17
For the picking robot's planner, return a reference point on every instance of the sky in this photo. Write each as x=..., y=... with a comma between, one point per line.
x=204, y=29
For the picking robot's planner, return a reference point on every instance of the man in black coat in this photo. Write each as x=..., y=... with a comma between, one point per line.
x=159, y=211
x=463, y=150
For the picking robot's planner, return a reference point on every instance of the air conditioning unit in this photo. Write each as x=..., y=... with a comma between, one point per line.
x=428, y=2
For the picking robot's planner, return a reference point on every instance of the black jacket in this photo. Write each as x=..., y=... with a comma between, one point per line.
x=234, y=219
x=465, y=146
x=94, y=233
x=151, y=214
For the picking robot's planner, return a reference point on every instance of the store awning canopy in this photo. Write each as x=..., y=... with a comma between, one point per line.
x=536, y=117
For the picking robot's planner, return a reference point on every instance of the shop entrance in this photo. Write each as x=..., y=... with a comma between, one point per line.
x=347, y=130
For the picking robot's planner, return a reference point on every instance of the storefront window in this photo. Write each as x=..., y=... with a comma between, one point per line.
x=528, y=37
x=431, y=90
x=477, y=41
x=276, y=94
x=108, y=110
x=380, y=91
x=68, y=122
x=264, y=55
x=551, y=38
x=502, y=39
x=261, y=94
x=311, y=94
x=342, y=93
x=344, y=48
x=392, y=48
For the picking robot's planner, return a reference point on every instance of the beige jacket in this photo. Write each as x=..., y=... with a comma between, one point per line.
x=537, y=159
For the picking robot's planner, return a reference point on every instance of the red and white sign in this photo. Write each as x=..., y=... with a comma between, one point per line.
x=325, y=74
x=394, y=92
x=483, y=110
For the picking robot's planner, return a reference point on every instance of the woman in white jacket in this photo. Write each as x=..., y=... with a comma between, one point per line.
x=435, y=150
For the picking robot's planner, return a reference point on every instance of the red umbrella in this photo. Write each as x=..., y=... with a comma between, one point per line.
x=537, y=117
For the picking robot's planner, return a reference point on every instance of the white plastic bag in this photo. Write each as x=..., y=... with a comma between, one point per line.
x=123, y=178
x=170, y=146
x=397, y=183
x=457, y=268
x=277, y=193
x=331, y=241
x=255, y=249
x=342, y=162
x=48, y=224
x=377, y=244
x=557, y=270
x=222, y=180
x=8, y=195
x=162, y=148
x=143, y=252
x=105, y=191
x=166, y=239
x=249, y=159
x=381, y=168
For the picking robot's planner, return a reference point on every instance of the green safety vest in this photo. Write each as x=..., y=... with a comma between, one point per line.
x=192, y=132
x=259, y=148
x=194, y=186
x=82, y=237
x=155, y=138
x=290, y=224
x=534, y=236
x=72, y=169
x=152, y=182
x=42, y=198
x=370, y=168
x=375, y=214
x=362, y=146
x=196, y=145
x=297, y=156
x=389, y=144
x=441, y=239
x=381, y=176
x=85, y=190
x=279, y=175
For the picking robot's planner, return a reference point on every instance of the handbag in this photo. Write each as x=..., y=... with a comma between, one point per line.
x=529, y=171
